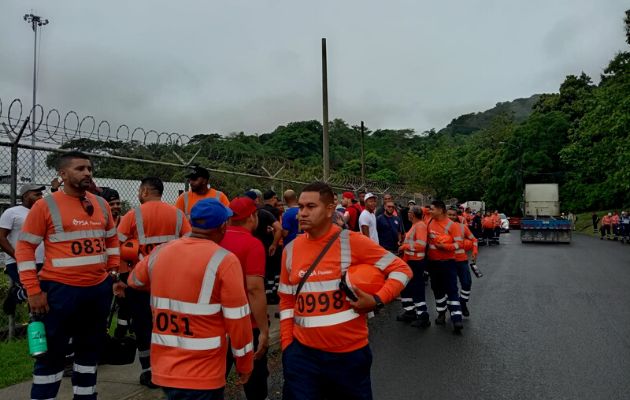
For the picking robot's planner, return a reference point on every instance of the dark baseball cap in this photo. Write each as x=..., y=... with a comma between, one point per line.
x=110, y=194
x=198, y=172
x=209, y=214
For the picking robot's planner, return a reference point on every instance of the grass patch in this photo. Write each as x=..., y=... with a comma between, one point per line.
x=15, y=364
x=584, y=223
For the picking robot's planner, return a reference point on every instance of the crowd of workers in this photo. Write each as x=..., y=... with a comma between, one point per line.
x=612, y=226
x=193, y=280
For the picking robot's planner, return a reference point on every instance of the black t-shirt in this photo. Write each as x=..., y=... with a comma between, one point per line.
x=264, y=231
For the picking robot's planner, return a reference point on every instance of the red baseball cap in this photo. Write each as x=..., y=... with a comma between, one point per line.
x=242, y=207
x=348, y=195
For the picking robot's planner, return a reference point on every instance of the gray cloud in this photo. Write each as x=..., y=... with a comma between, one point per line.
x=203, y=66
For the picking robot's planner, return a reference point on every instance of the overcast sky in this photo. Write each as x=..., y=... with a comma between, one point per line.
x=222, y=66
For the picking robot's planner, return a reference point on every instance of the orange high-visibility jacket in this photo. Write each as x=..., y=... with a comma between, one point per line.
x=615, y=219
x=496, y=219
x=606, y=220
x=187, y=200
x=152, y=224
x=197, y=298
x=438, y=231
x=321, y=317
x=487, y=222
x=468, y=239
x=415, y=243
x=79, y=248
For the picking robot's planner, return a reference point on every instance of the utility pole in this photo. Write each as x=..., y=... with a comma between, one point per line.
x=325, y=155
x=362, y=154
x=35, y=21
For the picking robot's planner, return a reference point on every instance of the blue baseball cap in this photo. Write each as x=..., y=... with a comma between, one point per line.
x=209, y=214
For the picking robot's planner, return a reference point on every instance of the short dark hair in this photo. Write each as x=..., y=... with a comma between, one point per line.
x=416, y=211
x=65, y=158
x=154, y=183
x=326, y=194
x=439, y=204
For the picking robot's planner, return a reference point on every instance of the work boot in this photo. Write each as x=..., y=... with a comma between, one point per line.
x=422, y=321
x=458, y=326
x=465, y=311
x=145, y=379
x=407, y=316
x=441, y=318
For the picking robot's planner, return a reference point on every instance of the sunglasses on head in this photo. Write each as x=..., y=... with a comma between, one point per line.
x=87, y=206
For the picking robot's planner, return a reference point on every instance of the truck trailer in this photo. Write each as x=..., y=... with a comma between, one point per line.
x=541, y=221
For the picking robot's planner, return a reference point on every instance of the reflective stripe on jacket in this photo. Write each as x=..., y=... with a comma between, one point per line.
x=321, y=317
x=79, y=248
x=198, y=298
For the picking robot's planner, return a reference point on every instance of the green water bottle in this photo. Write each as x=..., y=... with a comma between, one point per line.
x=36, y=333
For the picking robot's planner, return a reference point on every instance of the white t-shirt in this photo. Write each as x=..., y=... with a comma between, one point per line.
x=13, y=219
x=369, y=219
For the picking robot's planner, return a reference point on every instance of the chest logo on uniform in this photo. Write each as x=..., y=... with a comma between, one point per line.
x=302, y=272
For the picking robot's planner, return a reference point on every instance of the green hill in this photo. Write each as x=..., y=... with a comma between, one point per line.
x=519, y=109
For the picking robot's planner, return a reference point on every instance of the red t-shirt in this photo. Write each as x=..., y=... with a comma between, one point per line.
x=249, y=251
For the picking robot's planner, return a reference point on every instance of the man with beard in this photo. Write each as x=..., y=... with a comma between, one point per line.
x=199, y=189
x=113, y=199
x=73, y=291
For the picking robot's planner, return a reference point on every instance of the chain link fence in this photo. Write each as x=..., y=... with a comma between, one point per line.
x=28, y=150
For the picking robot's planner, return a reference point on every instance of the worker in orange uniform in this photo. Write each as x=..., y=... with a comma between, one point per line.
x=606, y=227
x=72, y=293
x=199, y=189
x=324, y=336
x=487, y=225
x=414, y=252
x=442, y=245
x=152, y=223
x=467, y=242
x=496, y=219
x=250, y=251
x=198, y=299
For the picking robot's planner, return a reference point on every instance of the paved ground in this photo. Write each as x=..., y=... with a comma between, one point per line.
x=548, y=322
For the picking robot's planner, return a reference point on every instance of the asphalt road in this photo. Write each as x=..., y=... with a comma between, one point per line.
x=547, y=322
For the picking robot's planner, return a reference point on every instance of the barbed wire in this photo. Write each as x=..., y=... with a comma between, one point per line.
x=50, y=128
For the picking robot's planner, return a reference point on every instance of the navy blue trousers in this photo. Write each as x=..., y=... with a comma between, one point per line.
x=193, y=394
x=139, y=305
x=444, y=286
x=79, y=313
x=311, y=374
x=412, y=295
x=465, y=280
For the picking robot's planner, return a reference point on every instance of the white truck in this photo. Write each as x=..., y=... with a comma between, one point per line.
x=541, y=209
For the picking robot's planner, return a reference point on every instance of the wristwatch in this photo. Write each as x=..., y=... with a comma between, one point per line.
x=379, y=303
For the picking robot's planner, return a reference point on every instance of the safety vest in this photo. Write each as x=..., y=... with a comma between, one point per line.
x=79, y=248
x=469, y=242
x=217, y=197
x=455, y=242
x=166, y=223
x=415, y=243
x=193, y=310
x=320, y=316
